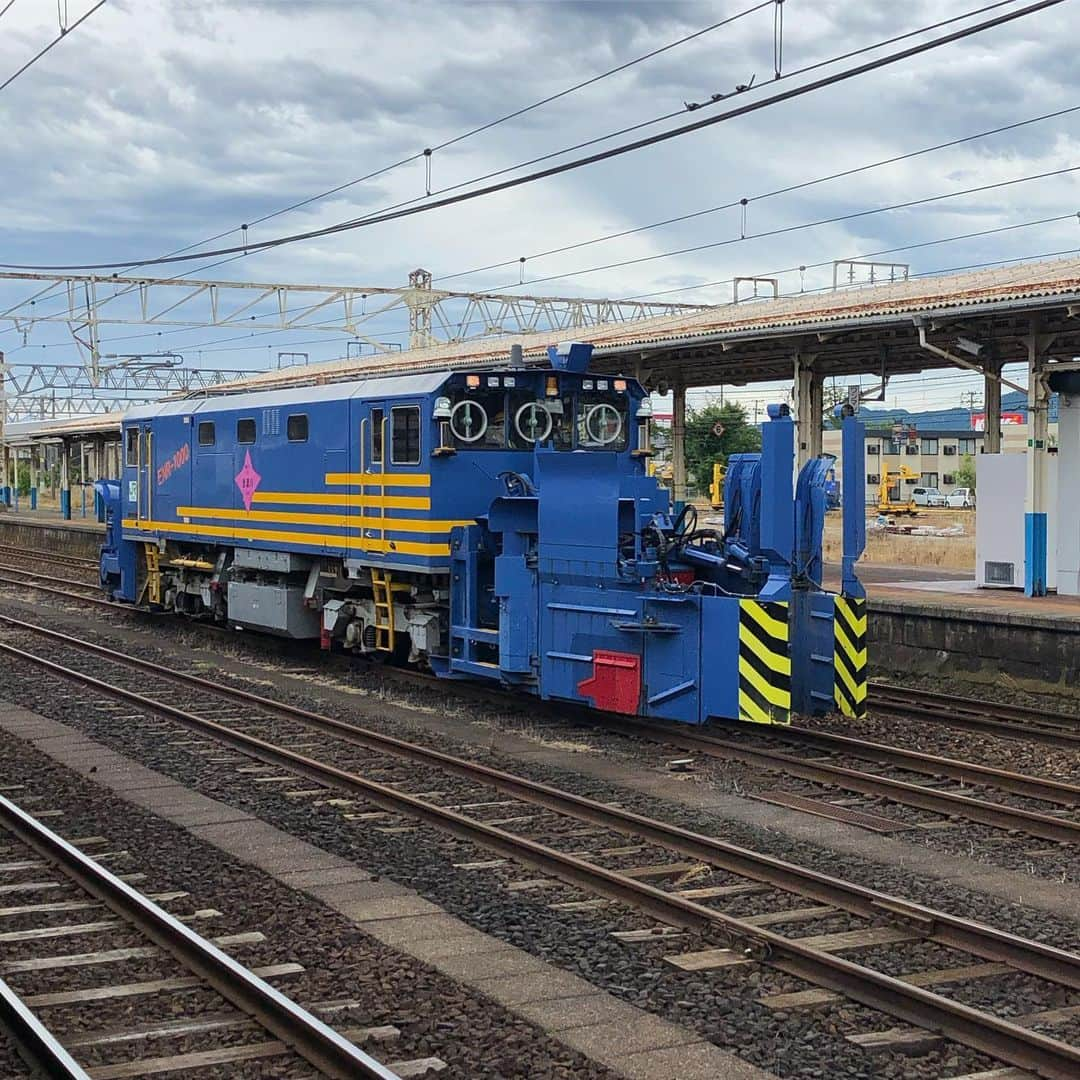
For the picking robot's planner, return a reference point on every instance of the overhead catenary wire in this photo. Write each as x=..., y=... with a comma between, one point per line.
x=787, y=229
x=243, y=252
x=756, y=198
x=385, y=332
x=275, y=331
x=439, y=146
x=788, y=189
x=576, y=163
x=55, y=41
x=888, y=251
x=420, y=155
x=714, y=100
x=222, y=344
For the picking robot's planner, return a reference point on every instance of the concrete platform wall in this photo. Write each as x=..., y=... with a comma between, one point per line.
x=929, y=639
x=74, y=538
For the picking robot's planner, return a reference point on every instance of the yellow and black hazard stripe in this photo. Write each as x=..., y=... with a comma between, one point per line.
x=849, y=623
x=764, y=663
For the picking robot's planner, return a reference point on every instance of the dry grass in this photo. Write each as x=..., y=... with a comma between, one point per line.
x=891, y=549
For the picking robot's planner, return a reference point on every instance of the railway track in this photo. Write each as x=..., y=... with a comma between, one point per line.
x=995, y=718
x=1054, y=825
x=55, y=582
x=541, y=827
x=56, y=984
x=42, y=555
x=1046, y=825
x=991, y=717
x=61, y=588
x=1057, y=824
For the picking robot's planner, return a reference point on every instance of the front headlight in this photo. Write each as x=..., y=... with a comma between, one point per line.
x=644, y=409
x=442, y=408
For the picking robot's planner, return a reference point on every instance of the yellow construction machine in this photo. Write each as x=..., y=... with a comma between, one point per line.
x=716, y=488
x=886, y=504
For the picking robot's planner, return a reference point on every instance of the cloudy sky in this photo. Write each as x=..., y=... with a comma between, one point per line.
x=159, y=123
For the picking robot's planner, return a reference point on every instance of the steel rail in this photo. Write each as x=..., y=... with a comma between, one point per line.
x=1032, y=787
x=999, y=708
x=34, y=1041
x=1053, y=734
x=999, y=1038
x=97, y=601
x=315, y=1041
x=50, y=556
x=48, y=577
x=997, y=815
x=1034, y=958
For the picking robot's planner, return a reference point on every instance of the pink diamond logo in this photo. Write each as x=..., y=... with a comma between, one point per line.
x=247, y=480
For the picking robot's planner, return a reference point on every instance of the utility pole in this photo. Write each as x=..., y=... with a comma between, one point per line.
x=969, y=400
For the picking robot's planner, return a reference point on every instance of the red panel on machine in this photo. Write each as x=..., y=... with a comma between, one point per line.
x=615, y=684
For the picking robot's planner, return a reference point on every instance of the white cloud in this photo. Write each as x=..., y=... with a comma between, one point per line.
x=159, y=123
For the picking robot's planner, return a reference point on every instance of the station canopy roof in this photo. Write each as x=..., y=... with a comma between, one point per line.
x=75, y=428
x=850, y=330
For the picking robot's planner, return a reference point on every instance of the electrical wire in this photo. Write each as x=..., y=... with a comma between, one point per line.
x=876, y=254
x=487, y=126
x=577, y=163
x=802, y=226
x=802, y=185
x=222, y=261
x=440, y=146
x=386, y=332
x=6, y=8
x=55, y=41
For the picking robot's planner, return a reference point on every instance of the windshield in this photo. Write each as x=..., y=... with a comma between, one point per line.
x=521, y=419
x=540, y=420
x=478, y=420
x=602, y=421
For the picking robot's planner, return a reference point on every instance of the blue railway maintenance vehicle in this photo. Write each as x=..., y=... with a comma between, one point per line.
x=498, y=525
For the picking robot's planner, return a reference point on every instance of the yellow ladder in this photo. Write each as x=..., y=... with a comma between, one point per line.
x=153, y=574
x=383, y=588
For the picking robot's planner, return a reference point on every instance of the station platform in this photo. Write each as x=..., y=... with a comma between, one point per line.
x=937, y=622
x=46, y=530
x=49, y=517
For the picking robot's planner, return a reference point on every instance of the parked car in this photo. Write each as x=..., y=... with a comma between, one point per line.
x=927, y=496
x=960, y=499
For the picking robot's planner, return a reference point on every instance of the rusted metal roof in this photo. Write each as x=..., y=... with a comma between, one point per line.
x=24, y=432
x=850, y=308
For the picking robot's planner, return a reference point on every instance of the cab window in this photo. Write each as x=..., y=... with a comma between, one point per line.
x=536, y=420
x=602, y=421
x=132, y=452
x=405, y=435
x=478, y=420
x=378, y=422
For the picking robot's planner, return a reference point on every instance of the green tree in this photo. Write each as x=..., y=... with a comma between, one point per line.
x=965, y=473
x=831, y=396
x=704, y=446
